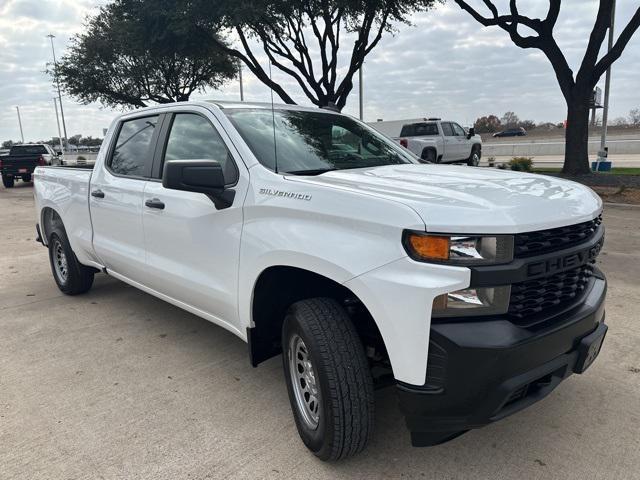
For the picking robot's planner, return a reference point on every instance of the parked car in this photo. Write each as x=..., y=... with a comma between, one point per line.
x=511, y=132
x=23, y=159
x=435, y=141
x=305, y=232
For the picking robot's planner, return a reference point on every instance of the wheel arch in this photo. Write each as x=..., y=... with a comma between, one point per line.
x=278, y=287
x=49, y=219
x=427, y=149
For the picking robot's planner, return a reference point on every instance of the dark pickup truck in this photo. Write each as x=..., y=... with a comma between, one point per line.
x=22, y=161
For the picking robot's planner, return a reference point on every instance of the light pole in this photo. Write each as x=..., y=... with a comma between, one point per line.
x=240, y=78
x=361, y=90
x=55, y=105
x=20, y=123
x=55, y=66
x=602, y=154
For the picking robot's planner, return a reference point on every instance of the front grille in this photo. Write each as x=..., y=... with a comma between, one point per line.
x=545, y=241
x=536, y=296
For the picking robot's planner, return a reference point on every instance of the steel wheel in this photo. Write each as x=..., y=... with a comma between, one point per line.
x=60, y=262
x=303, y=379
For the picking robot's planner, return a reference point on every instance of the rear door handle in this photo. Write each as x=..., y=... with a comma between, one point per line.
x=97, y=194
x=154, y=203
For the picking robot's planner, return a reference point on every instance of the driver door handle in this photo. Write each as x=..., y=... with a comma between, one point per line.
x=97, y=193
x=154, y=203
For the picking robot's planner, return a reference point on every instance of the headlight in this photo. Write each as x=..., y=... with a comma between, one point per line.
x=458, y=249
x=472, y=302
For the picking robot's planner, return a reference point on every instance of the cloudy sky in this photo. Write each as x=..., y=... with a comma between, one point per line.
x=445, y=64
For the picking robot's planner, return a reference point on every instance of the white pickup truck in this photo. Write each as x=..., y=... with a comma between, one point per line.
x=305, y=232
x=436, y=141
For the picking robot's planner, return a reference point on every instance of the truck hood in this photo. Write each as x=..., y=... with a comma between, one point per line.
x=460, y=199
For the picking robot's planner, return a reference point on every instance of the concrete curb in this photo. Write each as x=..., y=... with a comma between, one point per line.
x=621, y=205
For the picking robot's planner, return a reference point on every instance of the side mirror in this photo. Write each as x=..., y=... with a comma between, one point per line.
x=59, y=154
x=472, y=132
x=200, y=176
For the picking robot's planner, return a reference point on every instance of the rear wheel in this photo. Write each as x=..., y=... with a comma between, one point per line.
x=26, y=178
x=328, y=379
x=7, y=182
x=70, y=275
x=429, y=155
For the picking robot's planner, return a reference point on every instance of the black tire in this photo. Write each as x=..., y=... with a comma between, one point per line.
x=474, y=158
x=344, y=383
x=76, y=278
x=7, y=182
x=26, y=178
x=429, y=155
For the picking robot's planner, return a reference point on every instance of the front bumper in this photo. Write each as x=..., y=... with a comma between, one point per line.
x=493, y=368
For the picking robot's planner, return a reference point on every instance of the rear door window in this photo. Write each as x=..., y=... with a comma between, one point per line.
x=133, y=151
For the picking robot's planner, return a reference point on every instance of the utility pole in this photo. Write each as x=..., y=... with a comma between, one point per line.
x=20, y=123
x=602, y=154
x=360, y=90
x=55, y=105
x=55, y=65
x=240, y=78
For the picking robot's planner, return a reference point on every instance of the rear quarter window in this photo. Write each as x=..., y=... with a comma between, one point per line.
x=29, y=150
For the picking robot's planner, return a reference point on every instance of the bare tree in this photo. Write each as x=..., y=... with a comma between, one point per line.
x=510, y=120
x=291, y=32
x=576, y=89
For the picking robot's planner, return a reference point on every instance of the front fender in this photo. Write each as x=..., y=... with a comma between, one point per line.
x=399, y=296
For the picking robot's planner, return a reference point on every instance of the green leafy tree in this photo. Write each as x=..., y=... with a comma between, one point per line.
x=526, y=32
x=306, y=39
x=138, y=51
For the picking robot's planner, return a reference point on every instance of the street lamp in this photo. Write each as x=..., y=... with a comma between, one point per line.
x=603, y=154
x=55, y=105
x=55, y=66
x=20, y=123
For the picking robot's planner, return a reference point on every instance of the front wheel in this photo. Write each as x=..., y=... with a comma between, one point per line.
x=328, y=379
x=7, y=182
x=474, y=158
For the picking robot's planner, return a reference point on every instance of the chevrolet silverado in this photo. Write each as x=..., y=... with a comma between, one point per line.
x=472, y=291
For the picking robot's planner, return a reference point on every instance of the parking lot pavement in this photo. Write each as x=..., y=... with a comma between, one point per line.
x=117, y=384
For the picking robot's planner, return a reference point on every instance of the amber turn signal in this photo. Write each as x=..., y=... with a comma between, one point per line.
x=429, y=247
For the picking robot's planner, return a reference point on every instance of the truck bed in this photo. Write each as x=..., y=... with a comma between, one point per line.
x=65, y=190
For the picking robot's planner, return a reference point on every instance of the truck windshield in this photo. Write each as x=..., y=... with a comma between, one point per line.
x=311, y=143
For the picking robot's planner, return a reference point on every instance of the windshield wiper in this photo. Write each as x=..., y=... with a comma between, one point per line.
x=317, y=171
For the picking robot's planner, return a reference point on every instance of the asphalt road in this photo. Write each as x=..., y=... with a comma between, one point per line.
x=116, y=384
